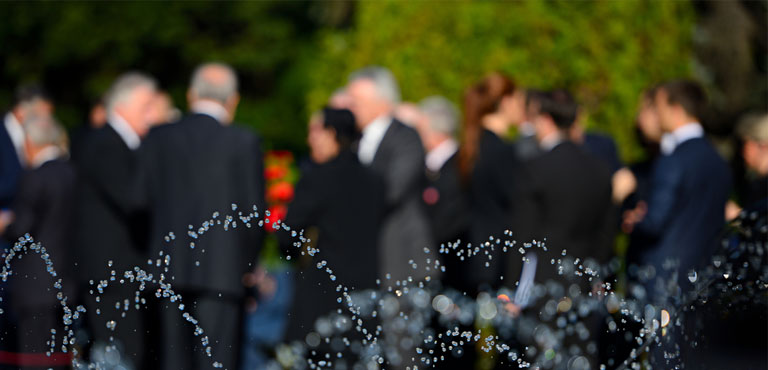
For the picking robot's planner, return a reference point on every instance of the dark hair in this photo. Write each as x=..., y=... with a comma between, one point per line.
x=561, y=106
x=687, y=94
x=342, y=121
x=480, y=100
x=29, y=92
x=532, y=96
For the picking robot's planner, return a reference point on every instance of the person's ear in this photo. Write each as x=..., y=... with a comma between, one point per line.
x=232, y=103
x=190, y=97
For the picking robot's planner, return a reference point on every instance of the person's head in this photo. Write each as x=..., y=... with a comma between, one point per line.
x=648, y=119
x=372, y=92
x=162, y=109
x=753, y=131
x=216, y=83
x=332, y=131
x=40, y=132
x=557, y=114
x=440, y=121
x=489, y=104
x=31, y=100
x=679, y=102
x=130, y=96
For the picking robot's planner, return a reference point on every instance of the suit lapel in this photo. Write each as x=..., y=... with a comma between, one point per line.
x=378, y=157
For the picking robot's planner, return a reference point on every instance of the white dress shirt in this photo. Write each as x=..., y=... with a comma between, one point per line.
x=372, y=136
x=213, y=109
x=437, y=157
x=670, y=141
x=124, y=130
x=16, y=132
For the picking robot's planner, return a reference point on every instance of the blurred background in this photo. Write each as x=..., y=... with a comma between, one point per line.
x=292, y=55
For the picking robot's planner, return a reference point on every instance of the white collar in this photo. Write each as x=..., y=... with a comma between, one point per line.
x=371, y=138
x=213, y=109
x=550, y=142
x=16, y=132
x=48, y=154
x=527, y=129
x=124, y=130
x=670, y=141
x=437, y=157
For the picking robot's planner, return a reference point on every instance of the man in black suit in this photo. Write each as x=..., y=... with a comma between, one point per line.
x=192, y=169
x=108, y=224
x=345, y=202
x=443, y=196
x=567, y=190
x=567, y=200
x=395, y=153
x=42, y=208
x=29, y=100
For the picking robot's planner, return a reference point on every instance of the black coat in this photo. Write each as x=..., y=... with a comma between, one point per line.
x=344, y=201
x=567, y=200
x=399, y=161
x=43, y=208
x=108, y=224
x=189, y=170
x=448, y=211
x=492, y=197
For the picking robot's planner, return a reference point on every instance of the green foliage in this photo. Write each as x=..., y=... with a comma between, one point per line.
x=78, y=48
x=606, y=52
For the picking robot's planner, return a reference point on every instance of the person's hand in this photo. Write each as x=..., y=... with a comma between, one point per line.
x=633, y=216
x=624, y=184
x=732, y=210
x=512, y=309
x=262, y=281
x=6, y=218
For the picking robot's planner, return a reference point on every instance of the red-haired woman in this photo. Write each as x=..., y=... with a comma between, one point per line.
x=488, y=169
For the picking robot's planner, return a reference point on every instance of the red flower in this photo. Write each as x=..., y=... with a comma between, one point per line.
x=276, y=214
x=274, y=172
x=280, y=192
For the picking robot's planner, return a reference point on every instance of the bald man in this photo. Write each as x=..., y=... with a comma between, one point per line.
x=191, y=169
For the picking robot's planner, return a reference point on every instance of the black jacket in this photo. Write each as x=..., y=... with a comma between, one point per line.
x=567, y=201
x=43, y=208
x=190, y=170
x=108, y=224
x=344, y=201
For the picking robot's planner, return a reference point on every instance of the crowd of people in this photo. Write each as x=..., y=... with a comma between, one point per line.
x=388, y=184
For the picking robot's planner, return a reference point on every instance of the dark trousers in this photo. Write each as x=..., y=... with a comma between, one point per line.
x=134, y=333
x=220, y=318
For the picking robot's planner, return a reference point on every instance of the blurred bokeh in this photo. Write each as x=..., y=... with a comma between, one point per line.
x=292, y=55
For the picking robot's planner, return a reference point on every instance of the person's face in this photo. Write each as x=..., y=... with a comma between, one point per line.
x=755, y=155
x=544, y=126
x=648, y=121
x=137, y=110
x=513, y=107
x=160, y=109
x=322, y=143
x=365, y=103
x=667, y=113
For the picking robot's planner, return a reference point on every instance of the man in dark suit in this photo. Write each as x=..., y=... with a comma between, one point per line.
x=192, y=169
x=43, y=209
x=443, y=196
x=108, y=224
x=29, y=100
x=567, y=200
x=689, y=188
x=395, y=153
x=345, y=202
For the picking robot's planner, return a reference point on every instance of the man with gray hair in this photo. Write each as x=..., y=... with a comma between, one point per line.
x=443, y=196
x=42, y=208
x=191, y=169
x=109, y=224
x=394, y=152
